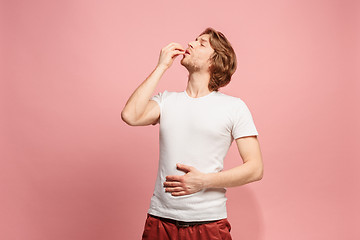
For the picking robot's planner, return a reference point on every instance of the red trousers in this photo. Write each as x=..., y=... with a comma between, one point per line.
x=156, y=229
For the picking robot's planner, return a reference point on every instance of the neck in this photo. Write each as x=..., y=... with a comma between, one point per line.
x=198, y=84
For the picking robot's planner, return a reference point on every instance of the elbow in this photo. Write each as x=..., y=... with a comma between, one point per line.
x=259, y=173
x=260, y=176
x=125, y=117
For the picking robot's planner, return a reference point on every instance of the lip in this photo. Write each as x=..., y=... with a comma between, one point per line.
x=187, y=51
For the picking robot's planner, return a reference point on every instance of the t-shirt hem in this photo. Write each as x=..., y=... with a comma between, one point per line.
x=184, y=218
x=247, y=135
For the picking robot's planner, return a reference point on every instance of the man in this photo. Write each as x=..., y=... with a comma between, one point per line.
x=197, y=127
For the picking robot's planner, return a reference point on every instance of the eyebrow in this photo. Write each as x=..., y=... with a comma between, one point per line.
x=201, y=39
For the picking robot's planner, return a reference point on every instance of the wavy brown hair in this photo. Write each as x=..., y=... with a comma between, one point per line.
x=223, y=60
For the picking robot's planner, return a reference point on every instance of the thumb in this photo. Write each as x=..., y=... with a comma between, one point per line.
x=184, y=168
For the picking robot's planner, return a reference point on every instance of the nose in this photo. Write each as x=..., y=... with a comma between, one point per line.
x=191, y=45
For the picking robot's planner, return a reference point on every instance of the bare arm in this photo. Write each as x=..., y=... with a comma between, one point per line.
x=194, y=180
x=139, y=110
x=138, y=105
x=251, y=170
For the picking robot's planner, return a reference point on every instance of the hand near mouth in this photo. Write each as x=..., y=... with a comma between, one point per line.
x=169, y=53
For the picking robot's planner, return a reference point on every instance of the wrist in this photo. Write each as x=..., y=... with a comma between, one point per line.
x=161, y=67
x=208, y=180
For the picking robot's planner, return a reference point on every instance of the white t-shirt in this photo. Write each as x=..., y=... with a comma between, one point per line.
x=196, y=132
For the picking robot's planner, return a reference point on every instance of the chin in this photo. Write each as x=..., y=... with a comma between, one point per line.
x=189, y=66
x=183, y=63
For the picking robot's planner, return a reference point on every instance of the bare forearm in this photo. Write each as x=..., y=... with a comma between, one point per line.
x=194, y=180
x=233, y=177
x=136, y=104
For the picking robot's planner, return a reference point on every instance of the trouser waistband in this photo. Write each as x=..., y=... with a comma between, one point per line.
x=182, y=223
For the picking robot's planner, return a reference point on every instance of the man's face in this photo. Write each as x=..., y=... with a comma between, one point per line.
x=197, y=56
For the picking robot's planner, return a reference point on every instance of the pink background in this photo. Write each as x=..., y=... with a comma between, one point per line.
x=72, y=169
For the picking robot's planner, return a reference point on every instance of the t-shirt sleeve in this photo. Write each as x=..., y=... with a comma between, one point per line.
x=243, y=123
x=159, y=98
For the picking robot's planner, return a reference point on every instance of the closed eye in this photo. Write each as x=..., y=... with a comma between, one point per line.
x=201, y=40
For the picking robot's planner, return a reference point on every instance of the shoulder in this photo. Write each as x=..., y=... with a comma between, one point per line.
x=229, y=99
x=235, y=105
x=164, y=94
x=168, y=93
x=173, y=95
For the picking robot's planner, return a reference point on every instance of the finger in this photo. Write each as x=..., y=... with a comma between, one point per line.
x=174, y=45
x=181, y=193
x=179, y=48
x=177, y=53
x=172, y=184
x=183, y=167
x=174, y=189
x=174, y=178
x=168, y=47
